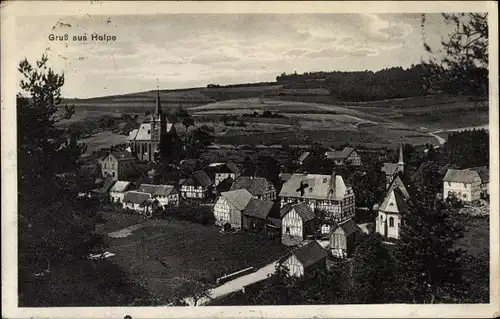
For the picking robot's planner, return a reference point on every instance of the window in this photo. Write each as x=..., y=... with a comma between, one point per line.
x=288, y=230
x=391, y=222
x=105, y=165
x=113, y=174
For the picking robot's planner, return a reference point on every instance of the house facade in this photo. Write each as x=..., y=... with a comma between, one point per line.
x=155, y=131
x=343, y=238
x=348, y=157
x=138, y=201
x=297, y=222
x=117, y=192
x=259, y=187
x=468, y=185
x=164, y=194
x=230, y=206
x=389, y=214
x=223, y=171
x=305, y=259
x=198, y=186
x=118, y=165
x=327, y=195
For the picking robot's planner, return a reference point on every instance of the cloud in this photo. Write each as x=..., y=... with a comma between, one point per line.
x=294, y=53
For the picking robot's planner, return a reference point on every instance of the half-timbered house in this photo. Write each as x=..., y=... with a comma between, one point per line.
x=197, y=186
x=343, y=238
x=164, y=194
x=297, y=222
x=138, y=201
x=348, y=157
x=228, y=209
x=305, y=259
x=256, y=213
x=259, y=187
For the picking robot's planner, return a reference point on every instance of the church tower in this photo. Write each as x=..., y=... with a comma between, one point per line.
x=401, y=162
x=157, y=125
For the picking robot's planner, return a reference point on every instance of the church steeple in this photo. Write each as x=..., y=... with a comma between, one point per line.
x=401, y=162
x=158, y=105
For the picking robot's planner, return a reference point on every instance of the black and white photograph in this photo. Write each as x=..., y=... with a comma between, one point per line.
x=190, y=156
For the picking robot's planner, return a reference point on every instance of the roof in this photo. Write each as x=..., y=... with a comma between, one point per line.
x=310, y=253
x=390, y=168
x=285, y=176
x=225, y=185
x=315, y=186
x=484, y=173
x=120, y=186
x=122, y=155
x=199, y=178
x=302, y=209
x=257, y=186
x=401, y=182
x=225, y=168
x=348, y=226
x=106, y=186
x=131, y=136
x=394, y=202
x=460, y=176
x=275, y=222
x=136, y=197
x=258, y=208
x=157, y=190
x=144, y=132
x=238, y=198
x=303, y=156
x=343, y=154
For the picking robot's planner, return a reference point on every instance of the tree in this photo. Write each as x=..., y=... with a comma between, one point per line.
x=464, y=68
x=428, y=266
x=371, y=271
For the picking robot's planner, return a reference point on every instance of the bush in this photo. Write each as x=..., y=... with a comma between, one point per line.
x=194, y=213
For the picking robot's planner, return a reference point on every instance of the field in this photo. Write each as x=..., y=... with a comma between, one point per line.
x=103, y=140
x=188, y=251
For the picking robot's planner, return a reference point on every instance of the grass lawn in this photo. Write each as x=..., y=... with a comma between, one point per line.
x=188, y=251
x=103, y=140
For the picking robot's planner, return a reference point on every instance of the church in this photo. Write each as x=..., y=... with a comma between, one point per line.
x=156, y=131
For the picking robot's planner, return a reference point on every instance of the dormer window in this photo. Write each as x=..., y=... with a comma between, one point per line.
x=310, y=189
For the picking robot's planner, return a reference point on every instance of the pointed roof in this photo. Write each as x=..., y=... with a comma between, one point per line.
x=120, y=186
x=348, y=226
x=158, y=106
x=309, y=254
x=258, y=208
x=394, y=202
x=302, y=209
x=401, y=182
x=401, y=159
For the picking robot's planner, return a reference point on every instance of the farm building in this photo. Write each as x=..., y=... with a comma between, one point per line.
x=118, y=165
x=164, y=194
x=145, y=141
x=348, y=157
x=138, y=201
x=326, y=194
x=468, y=185
x=259, y=187
x=198, y=186
x=230, y=206
x=297, y=222
x=392, y=169
x=118, y=190
x=305, y=259
x=224, y=170
x=256, y=213
x=343, y=238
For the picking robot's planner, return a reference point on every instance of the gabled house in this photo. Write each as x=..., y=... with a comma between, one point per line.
x=223, y=171
x=138, y=201
x=348, y=157
x=117, y=192
x=256, y=213
x=391, y=170
x=326, y=194
x=118, y=165
x=389, y=213
x=305, y=259
x=343, y=238
x=259, y=187
x=197, y=186
x=164, y=194
x=468, y=185
x=297, y=222
x=230, y=206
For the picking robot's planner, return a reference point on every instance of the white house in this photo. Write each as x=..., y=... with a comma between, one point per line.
x=343, y=238
x=118, y=190
x=389, y=216
x=198, y=186
x=468, y=185
x=138, y=201
x=348, y=156
x=326, y=194
x=305, y=259
x=230, y=206
x=297, y=222
x=118, y=165
x=164, y=194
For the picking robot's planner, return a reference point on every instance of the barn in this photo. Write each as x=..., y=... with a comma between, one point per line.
x=343, y=238
x=229, y=207
x=305, y=259
x=297, y=222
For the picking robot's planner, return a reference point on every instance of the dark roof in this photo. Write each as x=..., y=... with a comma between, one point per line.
x=349, y=227
x=199, y=178
x=310, y=253
x=460, y=176
x=136, y=197
x=402, y=182
x=257, y=186
x=302, y=209
x=258, y=208
x=108, y=183
x=225, y=185
x=484, y=173
x=343, y=154
x=122, y=155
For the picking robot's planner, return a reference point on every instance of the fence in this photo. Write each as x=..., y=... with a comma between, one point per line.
x=234, y=275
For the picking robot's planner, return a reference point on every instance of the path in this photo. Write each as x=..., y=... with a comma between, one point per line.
x=238, y=283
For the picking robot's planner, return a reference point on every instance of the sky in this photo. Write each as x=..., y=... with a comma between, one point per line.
x=193, y=50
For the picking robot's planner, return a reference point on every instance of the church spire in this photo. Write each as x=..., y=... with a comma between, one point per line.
x=158, y=106
x=401, y=161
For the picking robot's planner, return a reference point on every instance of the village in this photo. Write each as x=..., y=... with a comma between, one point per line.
x=313, y=215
